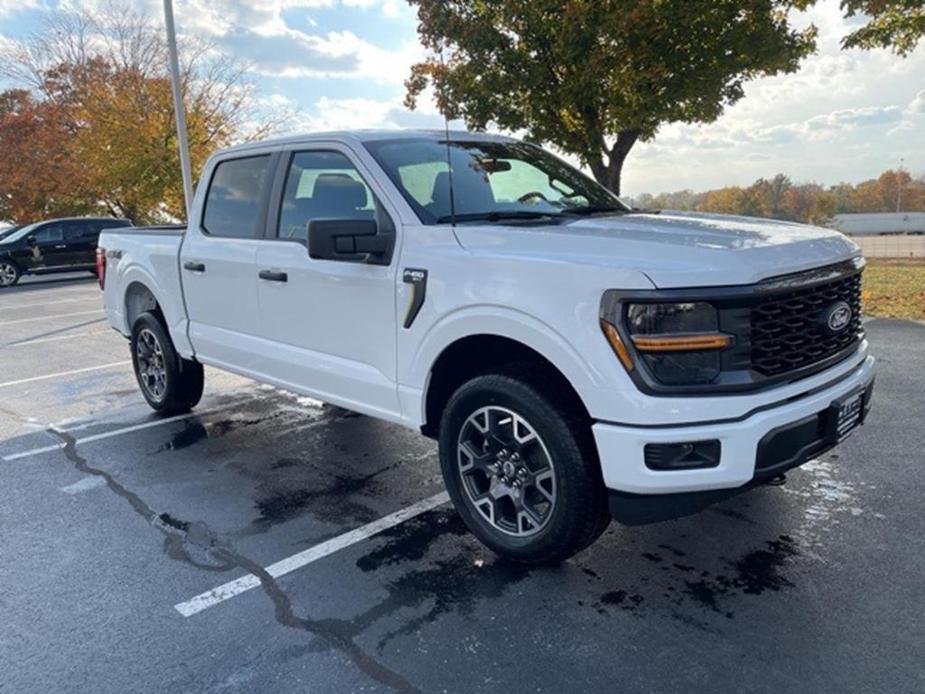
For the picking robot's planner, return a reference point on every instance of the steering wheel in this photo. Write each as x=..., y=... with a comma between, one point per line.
x=533, y=194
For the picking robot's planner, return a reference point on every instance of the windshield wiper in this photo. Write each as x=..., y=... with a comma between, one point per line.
x=495, y=216
x=595, y=209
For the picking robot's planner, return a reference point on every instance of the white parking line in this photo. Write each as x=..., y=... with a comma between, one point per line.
x=55, y=339
x=229, y=590
x=110, y=434
x=85, y=485
x=23, y=381
x=59, y=315
x=89, y=297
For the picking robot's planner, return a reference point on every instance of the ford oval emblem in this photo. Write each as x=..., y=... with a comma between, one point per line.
x=838, y=316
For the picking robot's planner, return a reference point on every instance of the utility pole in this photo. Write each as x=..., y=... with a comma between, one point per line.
x=899, y=186
x=179, y=110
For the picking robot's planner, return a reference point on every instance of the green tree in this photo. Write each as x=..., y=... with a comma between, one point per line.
x=893, y=24
x=593, y=77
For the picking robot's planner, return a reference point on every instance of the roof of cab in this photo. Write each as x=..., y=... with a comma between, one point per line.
x=359, y=136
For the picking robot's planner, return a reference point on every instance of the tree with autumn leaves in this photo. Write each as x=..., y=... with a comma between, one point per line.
x=92, y=130
x=811, y=203
x=593, y=77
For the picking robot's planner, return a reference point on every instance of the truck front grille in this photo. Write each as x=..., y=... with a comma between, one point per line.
x=789, y=332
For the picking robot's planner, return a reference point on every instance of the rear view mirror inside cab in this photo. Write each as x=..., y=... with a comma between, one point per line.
x=491, y=166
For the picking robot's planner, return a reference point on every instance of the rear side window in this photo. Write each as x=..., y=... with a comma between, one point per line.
x=232, y=206
x=81, y=231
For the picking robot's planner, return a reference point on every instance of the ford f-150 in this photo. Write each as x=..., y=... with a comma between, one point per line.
x=576, y=359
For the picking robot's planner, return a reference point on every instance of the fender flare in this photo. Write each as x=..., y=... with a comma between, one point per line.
x=503, y=322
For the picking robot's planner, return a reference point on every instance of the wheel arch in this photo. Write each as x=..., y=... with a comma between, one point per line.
x=471, y=355
x=136, y=287
x=140, y=299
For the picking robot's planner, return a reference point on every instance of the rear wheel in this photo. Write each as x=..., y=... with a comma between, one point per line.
x=521, y=470
x=169, y=383
x=9, y=273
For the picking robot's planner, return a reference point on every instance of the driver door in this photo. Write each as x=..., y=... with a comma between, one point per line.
x=49, y=248
x=332, y=322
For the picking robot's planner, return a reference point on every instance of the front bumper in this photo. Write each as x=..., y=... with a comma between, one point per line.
x=752, y=449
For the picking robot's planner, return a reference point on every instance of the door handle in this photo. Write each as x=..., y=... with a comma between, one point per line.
x=273, y=276
x=194, y=267
x=60, y=247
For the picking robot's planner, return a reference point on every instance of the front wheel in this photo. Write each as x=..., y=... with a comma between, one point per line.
x=170, y=384
x=9, y=273
x=521, y=470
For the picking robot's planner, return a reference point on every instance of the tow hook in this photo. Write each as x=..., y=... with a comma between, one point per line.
x=777, y=481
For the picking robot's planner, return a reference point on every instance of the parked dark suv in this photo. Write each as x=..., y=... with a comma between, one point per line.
x=56, y=245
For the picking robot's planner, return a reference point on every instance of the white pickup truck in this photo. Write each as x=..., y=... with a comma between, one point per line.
x=576, y=359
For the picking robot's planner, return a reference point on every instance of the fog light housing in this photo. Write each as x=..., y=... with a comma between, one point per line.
x=687, y=455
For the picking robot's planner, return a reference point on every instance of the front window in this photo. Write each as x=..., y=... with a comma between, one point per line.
x=322, y=185
x=490, y=181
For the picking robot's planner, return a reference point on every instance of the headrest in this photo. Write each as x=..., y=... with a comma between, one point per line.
x=340, y=192
x=440, y=194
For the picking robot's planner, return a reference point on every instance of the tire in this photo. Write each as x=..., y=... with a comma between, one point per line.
x=562, y=481
x=170, y=384
x=9, y=273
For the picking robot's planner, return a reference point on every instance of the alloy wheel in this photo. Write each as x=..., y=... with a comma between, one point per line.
x=7, y=274
x=152, y=368
x=506, y=470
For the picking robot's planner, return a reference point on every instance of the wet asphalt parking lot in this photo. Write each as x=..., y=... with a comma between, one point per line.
x=269, y=544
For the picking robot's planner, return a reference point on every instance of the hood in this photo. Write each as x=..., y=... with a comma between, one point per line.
x=675, y=249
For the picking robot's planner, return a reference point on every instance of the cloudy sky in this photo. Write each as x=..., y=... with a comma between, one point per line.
x=846, y=116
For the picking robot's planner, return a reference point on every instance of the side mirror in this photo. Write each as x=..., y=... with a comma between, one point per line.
x=351, y=240
x=31, y=240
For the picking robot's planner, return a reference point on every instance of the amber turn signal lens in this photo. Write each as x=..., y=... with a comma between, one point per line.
x=681, y=343
x=613, y=337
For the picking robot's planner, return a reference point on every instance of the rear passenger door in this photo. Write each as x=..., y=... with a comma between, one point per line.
x=218, y=263
x=80, y=237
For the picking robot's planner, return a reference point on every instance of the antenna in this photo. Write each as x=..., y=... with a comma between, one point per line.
x=446, y=132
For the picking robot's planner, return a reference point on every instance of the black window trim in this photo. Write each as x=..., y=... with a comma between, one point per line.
x=259, y=230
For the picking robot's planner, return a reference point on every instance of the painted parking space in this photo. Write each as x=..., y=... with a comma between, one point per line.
x=113, y=518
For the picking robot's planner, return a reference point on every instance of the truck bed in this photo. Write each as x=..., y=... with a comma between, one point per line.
x=146, y=257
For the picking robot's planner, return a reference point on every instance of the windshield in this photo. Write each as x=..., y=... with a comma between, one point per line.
x=9, y=230
x=491, y=181
x=20, y=233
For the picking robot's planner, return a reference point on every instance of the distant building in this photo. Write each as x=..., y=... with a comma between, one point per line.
x=876, y=223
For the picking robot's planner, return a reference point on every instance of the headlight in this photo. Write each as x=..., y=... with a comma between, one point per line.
x=679, y=343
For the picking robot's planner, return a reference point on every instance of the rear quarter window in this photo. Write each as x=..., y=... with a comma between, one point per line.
x=233, y=203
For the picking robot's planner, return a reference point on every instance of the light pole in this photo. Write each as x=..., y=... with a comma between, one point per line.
x=899, y=186
x=179, y=110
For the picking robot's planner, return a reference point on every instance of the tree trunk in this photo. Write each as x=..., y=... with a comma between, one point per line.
x=610, y=177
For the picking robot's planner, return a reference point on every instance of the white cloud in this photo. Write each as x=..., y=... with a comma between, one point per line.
x=364, y=113
x=845, y=115
x=8, y=7
x=917, y=105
